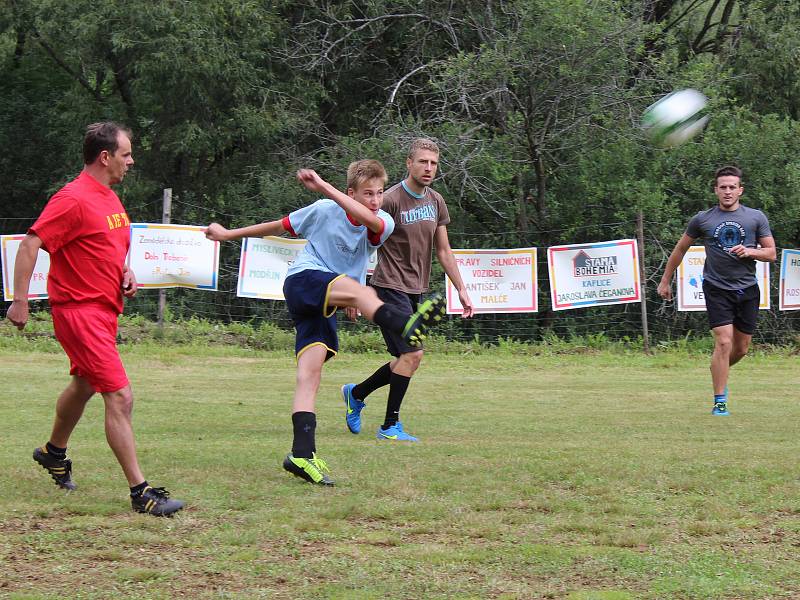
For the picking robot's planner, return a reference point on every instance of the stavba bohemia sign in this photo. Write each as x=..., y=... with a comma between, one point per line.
x=583, y=275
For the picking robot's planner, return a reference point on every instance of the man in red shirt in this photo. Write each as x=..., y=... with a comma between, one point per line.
x=86, y=231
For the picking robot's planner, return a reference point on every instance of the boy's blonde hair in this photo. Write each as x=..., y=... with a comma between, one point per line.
x=422, y=144
x=361, y=171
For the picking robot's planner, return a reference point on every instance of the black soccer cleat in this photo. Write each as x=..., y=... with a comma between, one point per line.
x=60, y=469
x=156, y=502
x=428, y=314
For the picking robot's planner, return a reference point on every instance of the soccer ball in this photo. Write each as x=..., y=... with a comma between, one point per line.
x=676, y=118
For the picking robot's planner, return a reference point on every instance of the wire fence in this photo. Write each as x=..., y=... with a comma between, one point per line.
x=612, y=322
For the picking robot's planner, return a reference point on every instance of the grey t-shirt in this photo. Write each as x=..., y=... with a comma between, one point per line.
x=720, y=231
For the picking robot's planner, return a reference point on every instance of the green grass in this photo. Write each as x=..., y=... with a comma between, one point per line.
x=594, y=476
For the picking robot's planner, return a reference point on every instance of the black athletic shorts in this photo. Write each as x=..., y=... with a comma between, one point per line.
x=395, y=343
x=737, y=307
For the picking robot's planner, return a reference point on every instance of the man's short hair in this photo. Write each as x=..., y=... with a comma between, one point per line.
x=362, y=171
x=727, y=171
x=102, y=136
x=422, y=144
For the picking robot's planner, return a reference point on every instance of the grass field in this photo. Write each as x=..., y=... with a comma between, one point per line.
x=581, y=476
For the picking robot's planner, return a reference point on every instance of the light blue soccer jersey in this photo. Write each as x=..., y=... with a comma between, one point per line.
x=335, y=243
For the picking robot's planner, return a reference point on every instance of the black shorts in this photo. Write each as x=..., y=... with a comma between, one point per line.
x=737, y=307
x=306, y=296
x=395, y=343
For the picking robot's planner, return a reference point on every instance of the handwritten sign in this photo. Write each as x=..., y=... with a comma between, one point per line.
x=9, y=245
x=584, y=275
x=690, y=281
x=498, y=281
x=167, y=256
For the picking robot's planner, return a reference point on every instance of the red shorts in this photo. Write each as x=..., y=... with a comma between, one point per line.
x=88, y=334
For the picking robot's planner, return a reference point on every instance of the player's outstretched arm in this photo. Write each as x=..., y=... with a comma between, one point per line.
x=218, y=233
x=23, y=269
x=445, y=255
x=675, y=258
x=312, y=181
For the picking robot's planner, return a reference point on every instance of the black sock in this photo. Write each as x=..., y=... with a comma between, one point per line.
x=391, y=318
x=138, y=489
x=304, y=424
x=398, y=384
x=55, y=451
x=377, y=380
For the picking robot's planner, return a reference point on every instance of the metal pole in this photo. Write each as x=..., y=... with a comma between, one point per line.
x=166, y=212
x=642, y=286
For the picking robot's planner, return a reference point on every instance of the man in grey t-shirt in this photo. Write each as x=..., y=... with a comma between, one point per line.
x=732, y=234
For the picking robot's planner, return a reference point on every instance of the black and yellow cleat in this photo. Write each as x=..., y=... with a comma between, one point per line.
x=156, y=502
x=60, y=469
x=312, y=469
x=428, y=314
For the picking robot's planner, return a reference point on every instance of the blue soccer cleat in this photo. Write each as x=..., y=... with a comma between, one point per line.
x=395, y=433
x=720, y=409
x=353, y=407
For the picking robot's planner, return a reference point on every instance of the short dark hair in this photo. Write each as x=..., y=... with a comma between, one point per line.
x=101, y=136
x=727, y=171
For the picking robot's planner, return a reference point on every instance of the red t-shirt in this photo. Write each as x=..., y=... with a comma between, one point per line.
x=86, y=230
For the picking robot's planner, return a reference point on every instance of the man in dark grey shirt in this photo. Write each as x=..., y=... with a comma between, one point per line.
x=732, y=234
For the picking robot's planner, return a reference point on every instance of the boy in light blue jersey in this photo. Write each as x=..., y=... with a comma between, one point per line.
x=330, y=272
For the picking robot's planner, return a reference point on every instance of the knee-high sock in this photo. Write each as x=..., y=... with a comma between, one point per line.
x=398, y=384
x=377, y=380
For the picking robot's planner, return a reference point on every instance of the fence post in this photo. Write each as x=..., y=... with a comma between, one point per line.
x=642, y=286
x=166, y=213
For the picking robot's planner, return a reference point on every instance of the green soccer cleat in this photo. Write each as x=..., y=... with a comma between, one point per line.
x=428, y=314
x=60, y=469
x=312, y=469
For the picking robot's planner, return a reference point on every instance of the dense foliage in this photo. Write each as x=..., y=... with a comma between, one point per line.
x=535, y=103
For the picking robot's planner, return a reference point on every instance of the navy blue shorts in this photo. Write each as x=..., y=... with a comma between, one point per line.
x=306, y=296
x=395, y=343
x=737, y=307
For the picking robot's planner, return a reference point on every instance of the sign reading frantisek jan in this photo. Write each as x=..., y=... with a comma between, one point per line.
x=167, y=256
x=498, y=281
x=690, y=281
x=583, y=275
x=9, y=245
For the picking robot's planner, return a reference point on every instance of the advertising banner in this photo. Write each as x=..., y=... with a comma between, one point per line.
x=9, y=245
x=498, y=281
x=790, y=280
x=690, y=281
x=263, y=265
x=583, y=275
x=168, y=256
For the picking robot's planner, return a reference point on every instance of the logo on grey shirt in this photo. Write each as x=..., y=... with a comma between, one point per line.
x=729, y=234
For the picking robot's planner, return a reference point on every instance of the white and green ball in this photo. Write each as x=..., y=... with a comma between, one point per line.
x=676, y=118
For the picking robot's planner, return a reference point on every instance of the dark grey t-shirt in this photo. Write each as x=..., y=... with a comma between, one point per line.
x=720, y=231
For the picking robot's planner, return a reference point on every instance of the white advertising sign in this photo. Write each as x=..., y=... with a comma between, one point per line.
x=9, y=245
x=583, y=275
x=690, y=281
x=263, y=265
x=790, y=280
x=167, y=256
x=498, y=281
